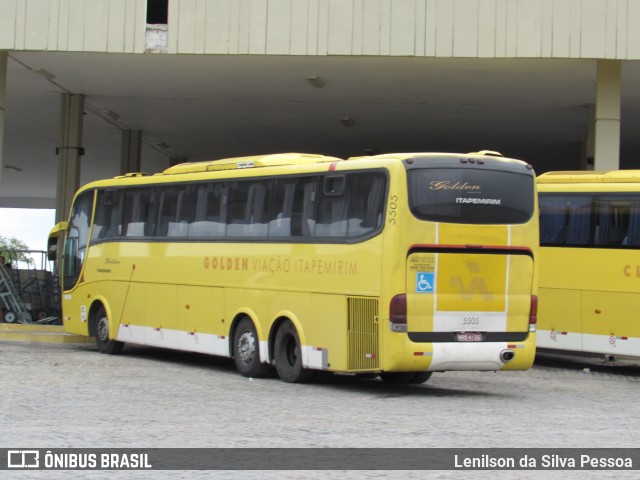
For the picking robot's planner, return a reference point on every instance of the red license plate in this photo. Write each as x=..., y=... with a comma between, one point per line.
x=469, y=337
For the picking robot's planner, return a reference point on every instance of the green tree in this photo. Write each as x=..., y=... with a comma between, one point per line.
x=13, y=249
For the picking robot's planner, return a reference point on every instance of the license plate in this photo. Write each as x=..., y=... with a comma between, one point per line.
x=469, y=337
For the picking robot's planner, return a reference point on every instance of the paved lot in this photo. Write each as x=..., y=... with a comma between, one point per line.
x=56, y=396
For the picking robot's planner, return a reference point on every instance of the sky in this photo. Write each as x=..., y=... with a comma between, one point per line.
x=30, y=225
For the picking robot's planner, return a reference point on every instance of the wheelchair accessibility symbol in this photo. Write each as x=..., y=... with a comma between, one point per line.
x=425, y=282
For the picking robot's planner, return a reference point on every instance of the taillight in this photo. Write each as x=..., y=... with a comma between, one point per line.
x=533, y=313
x=398, y=313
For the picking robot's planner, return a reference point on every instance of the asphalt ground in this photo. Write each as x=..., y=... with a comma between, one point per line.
x=70, y=396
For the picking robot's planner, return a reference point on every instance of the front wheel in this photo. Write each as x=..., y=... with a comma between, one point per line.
x=288, y=356
x=405, y=378
x=246, y=351
x=105, y=344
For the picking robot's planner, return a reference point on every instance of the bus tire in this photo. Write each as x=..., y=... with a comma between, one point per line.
x=246, y=350
x=288, y=356
x=105, y=344
x=421, y=377
x=405, y=378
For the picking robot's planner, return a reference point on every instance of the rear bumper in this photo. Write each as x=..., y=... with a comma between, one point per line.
x=469, y=356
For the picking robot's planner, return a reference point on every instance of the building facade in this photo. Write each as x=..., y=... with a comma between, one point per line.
x=595, y=42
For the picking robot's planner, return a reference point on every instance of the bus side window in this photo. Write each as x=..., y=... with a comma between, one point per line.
x=115, y=222
x=108, y=216
x=238, y=204
x=375, y=203
x=365, y=213
x=210, y=211
x=303, y=205
x=603, y=225
x=282, y=198
x=131, y=209
x=139, y=213
x=169, y=222
x=257, y=211
x=248, y=209
x=579, y=226
x=606, y=221
x=189, y=204
x=565, y=220
x=553, y=219
x=308, y=205
x=633, y=235
x=333, y=208
x=612, y=223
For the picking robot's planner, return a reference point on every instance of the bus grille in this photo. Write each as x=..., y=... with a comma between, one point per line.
x=363, y=333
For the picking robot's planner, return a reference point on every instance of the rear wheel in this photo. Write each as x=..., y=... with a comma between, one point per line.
x=105, y=344
x=405, y=378
x=288, y=356
x=246, y=351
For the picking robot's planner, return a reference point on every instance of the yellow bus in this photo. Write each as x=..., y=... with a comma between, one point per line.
x=392, y=265
x=590, y=262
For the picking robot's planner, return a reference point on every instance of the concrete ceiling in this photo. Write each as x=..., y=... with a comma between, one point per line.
x=205, y=107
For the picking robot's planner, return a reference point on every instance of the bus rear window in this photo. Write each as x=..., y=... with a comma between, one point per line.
x=471, y=195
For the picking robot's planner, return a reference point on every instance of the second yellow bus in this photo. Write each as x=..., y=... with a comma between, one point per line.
x=590, y=262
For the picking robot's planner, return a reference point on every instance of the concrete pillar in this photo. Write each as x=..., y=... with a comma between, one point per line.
x=3, y=96
x=607, y=115
x=69, y=152
x=131, y=150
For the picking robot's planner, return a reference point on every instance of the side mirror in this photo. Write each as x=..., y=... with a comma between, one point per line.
x=52, y=243
x=52, y=249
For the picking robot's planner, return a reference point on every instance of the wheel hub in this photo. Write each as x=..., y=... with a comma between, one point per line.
x=246, y=348
x=103, y=329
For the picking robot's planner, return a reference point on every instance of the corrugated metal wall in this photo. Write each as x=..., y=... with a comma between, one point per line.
x=73, y=25
x=440, y=28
